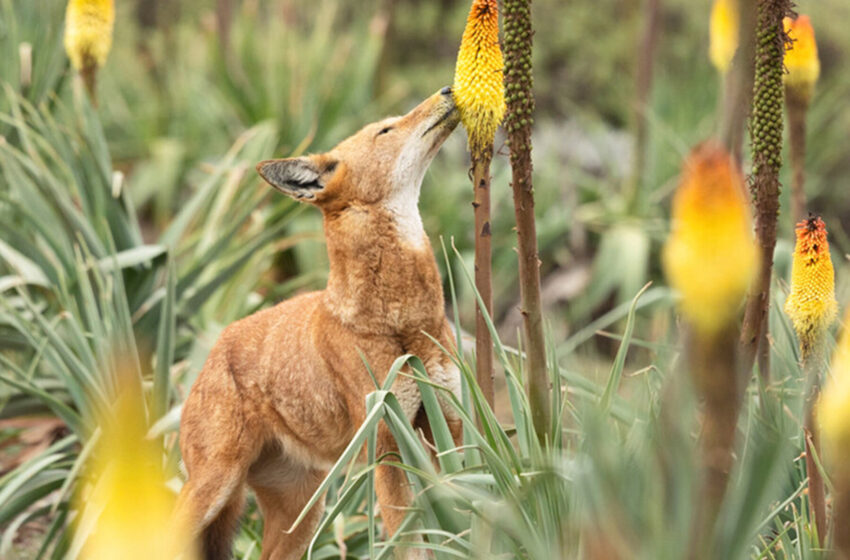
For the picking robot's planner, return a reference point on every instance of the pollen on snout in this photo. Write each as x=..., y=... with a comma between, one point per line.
x=478, y=89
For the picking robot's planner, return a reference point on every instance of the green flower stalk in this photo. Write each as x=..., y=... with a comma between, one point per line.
x=519, y=120
x=766, y=138
x=480, y=97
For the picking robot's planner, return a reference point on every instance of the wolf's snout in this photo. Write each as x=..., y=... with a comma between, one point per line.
x=446, y=90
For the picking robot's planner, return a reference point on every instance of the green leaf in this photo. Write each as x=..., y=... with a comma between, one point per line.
x=129, y=258
x=166, y=341
x=620, y=360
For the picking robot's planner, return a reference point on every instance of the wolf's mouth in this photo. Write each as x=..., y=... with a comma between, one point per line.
x=441, y=120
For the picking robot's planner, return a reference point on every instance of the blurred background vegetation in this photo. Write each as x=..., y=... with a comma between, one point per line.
x=140, y=225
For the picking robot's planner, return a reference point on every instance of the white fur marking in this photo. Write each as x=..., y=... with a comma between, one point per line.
x=409, y=171
x=406, y=391
x=449, y=378
x=301, y=175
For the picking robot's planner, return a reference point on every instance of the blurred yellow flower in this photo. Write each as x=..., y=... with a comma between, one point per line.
x=723, y=33
x=710, y=257
x=811, y=304
x=127, y=508
x=834, y=407
x=479, y=89
x=88, y=32
x=801, y=58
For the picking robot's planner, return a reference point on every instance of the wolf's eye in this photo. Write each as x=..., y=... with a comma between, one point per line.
x=385, y=130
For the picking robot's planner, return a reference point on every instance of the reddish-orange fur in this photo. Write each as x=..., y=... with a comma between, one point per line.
x=283, y=390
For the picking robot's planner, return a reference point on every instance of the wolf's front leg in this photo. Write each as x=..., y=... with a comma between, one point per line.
x=395, y=495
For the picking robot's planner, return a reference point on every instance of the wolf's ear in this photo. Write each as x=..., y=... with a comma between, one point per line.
x=301, y=177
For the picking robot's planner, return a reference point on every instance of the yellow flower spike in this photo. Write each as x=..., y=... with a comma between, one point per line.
x=801, y=57
x=710, y=257
x=479, y=89
x=833, y=414
x=128, y=508
x=88, y=32
x=834, y=406
x=811, y=304
x=723, y=33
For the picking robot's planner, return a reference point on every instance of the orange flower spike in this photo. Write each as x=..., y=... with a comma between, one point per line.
x=811, y=304
x=723, y=33
x=479, y=90
x=710, y=257
x=801, y=57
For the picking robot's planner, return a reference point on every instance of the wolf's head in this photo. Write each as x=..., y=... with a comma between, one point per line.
x=383, y=163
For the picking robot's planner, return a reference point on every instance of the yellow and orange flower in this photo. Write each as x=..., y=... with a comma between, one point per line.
x=710, y=257
x=88, y=32
x=811, y=304
x=128, y=507
x=801, y=58
x=723, y=33
x=834, y=406
x=479, y=89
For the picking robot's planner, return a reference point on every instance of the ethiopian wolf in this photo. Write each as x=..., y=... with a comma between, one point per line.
x=283, y=391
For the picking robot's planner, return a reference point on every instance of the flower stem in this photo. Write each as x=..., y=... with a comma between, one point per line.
x=483, y=272
x=797, y=107
x=738, y=82
x=766, y=138
x=841, y=516
x=520, y=100
x=817, y=499
x=714, y=370
x=89, y=75
x=643, y=91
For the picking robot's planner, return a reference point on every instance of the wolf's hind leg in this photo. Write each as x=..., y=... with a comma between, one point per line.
x=281, y=505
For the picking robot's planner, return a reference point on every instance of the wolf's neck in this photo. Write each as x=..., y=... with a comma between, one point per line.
x=379, y=279
x=404, y=210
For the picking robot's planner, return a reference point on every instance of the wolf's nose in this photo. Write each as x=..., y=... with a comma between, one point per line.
x=446, y=90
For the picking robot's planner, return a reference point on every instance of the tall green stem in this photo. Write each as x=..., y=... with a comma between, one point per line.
x=766, y=137
x=520, y=101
